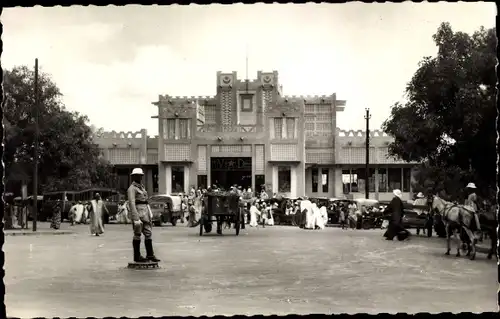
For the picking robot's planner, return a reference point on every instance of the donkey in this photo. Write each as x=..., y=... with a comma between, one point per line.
x=455, y=218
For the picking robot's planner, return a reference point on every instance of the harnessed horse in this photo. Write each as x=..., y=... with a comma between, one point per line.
x=457, y=217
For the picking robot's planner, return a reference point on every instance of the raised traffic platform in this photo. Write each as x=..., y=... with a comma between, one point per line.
x=143, y=265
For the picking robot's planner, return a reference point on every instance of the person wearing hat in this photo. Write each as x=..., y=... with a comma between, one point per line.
x=395, y=208
x=470, y=202
x=420, y=201
x=141, y=217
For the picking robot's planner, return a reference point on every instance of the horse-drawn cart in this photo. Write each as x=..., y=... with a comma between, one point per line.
x=221, y=207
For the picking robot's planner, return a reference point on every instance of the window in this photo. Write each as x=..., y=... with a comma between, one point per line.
x=371, y=180
x=170, y=129
x=324, y=180
x=260, y=183
x=284, y=179
x=406, y=179
x=210, y=114
x=177, y=179
x=155, y=179
x=246, y=102
x=290, y=127
x=314, y=180
x=350, y=181
x=361, y=179
x=278, y=128
x=202, y=181
x=346, y=181
x=183, y=128
x=382, y=180
x=394, y=178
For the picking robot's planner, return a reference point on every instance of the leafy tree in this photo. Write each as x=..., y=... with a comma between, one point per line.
x=448, y=121
x=69, y=160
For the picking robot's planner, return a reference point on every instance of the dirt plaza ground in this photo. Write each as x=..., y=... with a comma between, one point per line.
x=276, y=270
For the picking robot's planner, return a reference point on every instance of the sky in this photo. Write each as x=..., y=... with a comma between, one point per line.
x=111, y=62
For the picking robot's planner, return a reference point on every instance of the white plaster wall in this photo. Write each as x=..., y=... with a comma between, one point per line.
x=339, y=191
x=162, y=182
x=186, y=179
x=168, y=178
x=293, y=181
x=275, y=179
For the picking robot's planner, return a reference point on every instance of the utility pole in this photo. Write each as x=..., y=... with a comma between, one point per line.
x=35, y=172
x=367, y=151
x=246, y=68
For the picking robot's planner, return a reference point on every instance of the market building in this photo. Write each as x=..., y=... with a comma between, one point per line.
x=251, y=135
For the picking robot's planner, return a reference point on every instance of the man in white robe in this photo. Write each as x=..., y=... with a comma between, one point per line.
x=254, y=215
x=78, y=213
x=123, y=216
x=324, y=216
x=307, y=210
x=316, y=216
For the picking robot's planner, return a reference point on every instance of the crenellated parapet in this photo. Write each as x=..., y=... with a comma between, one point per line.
x=357, y=138
x=312, y=99
x=178, y=107
x=123, y=135
x=360, y=133
x=183, y=99
x=167, y=99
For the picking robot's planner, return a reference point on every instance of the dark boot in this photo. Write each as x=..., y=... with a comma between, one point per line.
x=137, y=251
x=150, y=255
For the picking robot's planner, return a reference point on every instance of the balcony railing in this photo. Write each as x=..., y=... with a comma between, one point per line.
x=213, y=128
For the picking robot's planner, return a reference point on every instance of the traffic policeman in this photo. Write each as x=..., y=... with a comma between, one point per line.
x=141, y=217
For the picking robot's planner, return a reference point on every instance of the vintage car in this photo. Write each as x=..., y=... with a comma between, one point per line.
x=279, y=212
x=371, y=216
x=165, y=209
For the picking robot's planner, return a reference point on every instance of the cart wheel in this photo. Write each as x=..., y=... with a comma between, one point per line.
x=173, y=221
x=157, y=223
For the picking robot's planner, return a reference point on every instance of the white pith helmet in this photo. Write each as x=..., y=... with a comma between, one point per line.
x=137, y=171
x=397, y=193
x=420, y=195
x=471, y=185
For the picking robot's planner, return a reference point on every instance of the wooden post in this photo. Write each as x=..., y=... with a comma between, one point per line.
x=35, y=172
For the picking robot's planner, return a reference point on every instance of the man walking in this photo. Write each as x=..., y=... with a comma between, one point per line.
x=395, y=228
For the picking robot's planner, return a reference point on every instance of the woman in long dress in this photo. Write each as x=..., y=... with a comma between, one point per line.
x=56, y=217
x=96, y=225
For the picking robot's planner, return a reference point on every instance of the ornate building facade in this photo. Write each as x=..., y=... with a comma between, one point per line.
x=251, y=135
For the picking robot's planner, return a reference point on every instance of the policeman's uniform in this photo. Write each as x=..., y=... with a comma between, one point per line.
x=140, y=211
